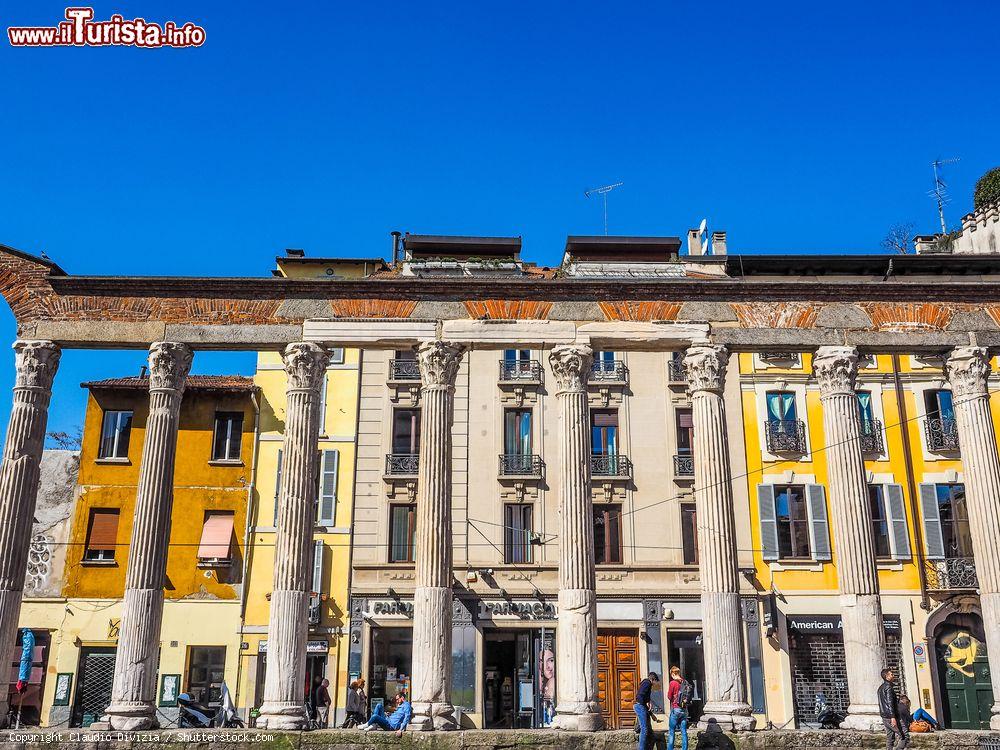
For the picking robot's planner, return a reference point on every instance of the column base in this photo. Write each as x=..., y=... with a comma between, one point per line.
x=587, y=720
x=727, y=717
x=131, y=716
x=429, y=717
x=286, y=716
x=995, y=723
x=864, y=717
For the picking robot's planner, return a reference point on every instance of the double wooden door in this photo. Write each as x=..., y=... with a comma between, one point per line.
x=617, y=676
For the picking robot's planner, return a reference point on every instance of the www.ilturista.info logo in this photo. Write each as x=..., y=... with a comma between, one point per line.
x=80, y=30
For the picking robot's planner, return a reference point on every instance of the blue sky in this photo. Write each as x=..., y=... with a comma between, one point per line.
x=796, y=127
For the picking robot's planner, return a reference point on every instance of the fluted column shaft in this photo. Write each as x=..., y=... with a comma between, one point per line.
x=836, y=369
x=577, y=706
x=36, y=363
x=718, y=562
x=432, y=596
x=968, y=369
x=288, y=625
x=134, y=690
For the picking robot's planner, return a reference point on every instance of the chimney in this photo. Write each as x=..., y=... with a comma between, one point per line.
x=694, y=246
x=718, y=243
x=142, y=372
x=295, y=252
x=395, y=246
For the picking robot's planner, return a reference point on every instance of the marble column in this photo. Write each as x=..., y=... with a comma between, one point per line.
x=288, y=626
x=36, y=363
x=133, y=693
x=718, y=564
x=968, y=368
x=836, y=368
x=577, y=706
x=432, y=595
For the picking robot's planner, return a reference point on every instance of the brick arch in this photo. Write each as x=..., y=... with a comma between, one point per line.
x=908, y=316
x=372, y=308
x=776, y=314
x=640, y=311
x=503, y=309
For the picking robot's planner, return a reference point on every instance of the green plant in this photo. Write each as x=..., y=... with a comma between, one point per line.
x=987, y=189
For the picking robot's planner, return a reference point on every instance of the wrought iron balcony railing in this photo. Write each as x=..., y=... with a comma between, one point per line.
x=609, y=371
x=778, y=356
x=785, y=435
x=871, y=437
x=402, y=464
x=404, y=369
x=684, y=465
x=610, y=465
x=950, y=574
x=521, y=371
x=942, y=434
x=516, y=464
x=675, y=371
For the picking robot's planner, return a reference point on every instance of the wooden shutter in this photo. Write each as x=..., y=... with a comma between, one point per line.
x=103, y=529
x=933, y=537
x=605, y=418
x=322, y=407
x=819, y=527
x=329, y=461
x=317, y=577
x=277, y=487
x=899, y=536
x=768, y=522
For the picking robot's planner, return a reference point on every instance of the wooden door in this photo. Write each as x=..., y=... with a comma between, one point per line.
x=617, y=676
x=964, y=669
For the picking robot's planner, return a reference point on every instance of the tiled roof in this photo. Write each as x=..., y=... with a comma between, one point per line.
x=194, y=382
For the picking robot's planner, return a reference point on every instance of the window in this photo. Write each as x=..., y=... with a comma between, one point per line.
x=685, y=432
x=880, y=521
x=781, y=406
x=116, y=430
x=327, y=496
x=516, y=355
x=889, y=527
x=939, y=405
x=608, y=534
x=517, y=534
x=867, y=414
x=322, y=406
x=689, y=533
x=406, y=431
x=216, y=536
x=102, y=534
x=954, y=514
x=206, y=671
x=277, y=485
x=402, y=532
x=337, y=356
x=228, y=436
x=604, y=433
x=517, y=432
x=793, y=522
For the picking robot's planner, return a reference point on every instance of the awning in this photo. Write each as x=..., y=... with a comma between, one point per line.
x=215, y=537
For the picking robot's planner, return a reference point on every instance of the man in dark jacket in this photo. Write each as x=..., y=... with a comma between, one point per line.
x=888, y=708
x=643, y=701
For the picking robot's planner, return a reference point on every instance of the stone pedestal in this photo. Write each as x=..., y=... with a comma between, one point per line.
x=577, y=706
x=432, y=596
x=288, y=626
x=722, y=621
x=836, y=368
x=133, y=694
x=968, y=368
x=36, y=363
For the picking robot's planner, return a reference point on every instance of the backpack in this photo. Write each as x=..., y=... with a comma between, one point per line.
x=685, y=694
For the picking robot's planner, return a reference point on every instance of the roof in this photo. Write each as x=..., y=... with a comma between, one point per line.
x=890, y=265
x=41, y=259
x=438, y=243
x=231, y=383
x=625, y=249
x=326, y=259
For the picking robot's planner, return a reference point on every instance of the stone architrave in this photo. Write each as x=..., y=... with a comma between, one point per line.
x=836, y=369
x=968, y=369
x=577, y=705
x=432, y=595
x=726, y=704
x=36, y=363
x=288, y=627
x=133, y=692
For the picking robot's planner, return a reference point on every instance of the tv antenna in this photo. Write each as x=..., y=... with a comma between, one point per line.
x=603, y=192
x=703, y=236
x=940, y=191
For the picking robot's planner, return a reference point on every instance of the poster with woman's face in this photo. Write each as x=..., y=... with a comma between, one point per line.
x=547, y=673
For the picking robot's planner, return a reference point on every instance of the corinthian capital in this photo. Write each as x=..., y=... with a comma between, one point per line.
x=169, y=364
x=438, y=362
x=305, y=364
x=967, y=368
x=36, y=363
x=705, y=367
x=571, y=365
x=836, y=369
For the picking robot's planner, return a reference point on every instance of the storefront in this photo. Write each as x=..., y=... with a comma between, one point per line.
x=27, y=704
x=317, y=654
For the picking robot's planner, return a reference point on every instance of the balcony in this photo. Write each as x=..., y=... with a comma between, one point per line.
x=520, y=465
x=951, y=574
x=403, y=370
x=610, y=465
x=776, y=358
x=785, y=436
x=608, y=371
x=675, y=371
x=871, y=437
x=402, y=464
x=520, y=371
x=684, y=465
x=942, y=434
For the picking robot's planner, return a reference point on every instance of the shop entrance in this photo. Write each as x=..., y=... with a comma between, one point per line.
x=684, y=651
x=391, y=657
x=518, y=679
x=617, y=676
x=94, y=679
x=963, y=672
x=315, y=674
x=27, y=706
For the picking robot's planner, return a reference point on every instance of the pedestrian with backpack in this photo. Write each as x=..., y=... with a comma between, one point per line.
x=679, y=695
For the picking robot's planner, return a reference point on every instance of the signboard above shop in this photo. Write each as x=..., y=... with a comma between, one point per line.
x=833, y=624
x=517, y=610
x=312, y=647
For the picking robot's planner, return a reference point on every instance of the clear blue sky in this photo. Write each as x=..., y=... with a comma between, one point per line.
x=794, y=126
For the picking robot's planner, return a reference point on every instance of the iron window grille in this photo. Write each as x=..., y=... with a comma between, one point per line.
x=404, y=369
x=675, y=371
x=520, y=464
x=951, y=574
x=785, y=435
x=402, y=464
x=609, y=371
x=684, y=465
x=778, y=356
x=871, y=437
x=520, y=370
x=610, y=465
x=942, y=434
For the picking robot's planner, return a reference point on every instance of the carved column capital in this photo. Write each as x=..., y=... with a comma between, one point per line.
x=836, y=369
x=438, y=362
x=36, y=363
x=169, y=364
x=305, y=364
x=705, y=367
x=571, y=365
x=968, y=367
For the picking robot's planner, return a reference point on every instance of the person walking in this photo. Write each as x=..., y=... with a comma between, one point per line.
x=362, y=699
x=354, y=714
x=888, y=708
x=679, y=697
x=642, y=708
x=322, y=702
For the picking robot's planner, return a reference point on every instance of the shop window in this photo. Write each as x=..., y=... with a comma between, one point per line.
x=406, y=431
x=228, y=436
x=689, y=533
x=517, y=534
x=215, y=547
x=608, y=534
x=116, y=431
x=402, y=532
x=391, y=660
x=206, y=672
x=793, y=522
x=102, y=534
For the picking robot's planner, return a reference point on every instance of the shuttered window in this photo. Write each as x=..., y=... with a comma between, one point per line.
x=819, y=526
x=216, y=537
x=329, y=461
x=880, y=521
x=517, y=533
x=102, y=534
x=322, y=406
x=932, y=521
x=116, y=431
x=889, y=529
x=685, y=432
x=277, y=486
x=316, y=593
x=608, y=534
x=793, y=522
x=402, y=532
x=689, y=533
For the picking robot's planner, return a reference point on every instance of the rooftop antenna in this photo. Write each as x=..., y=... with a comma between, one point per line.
x=703, y=236
x=603, y=192
x=940, y=191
